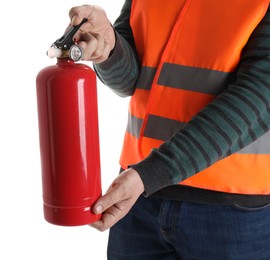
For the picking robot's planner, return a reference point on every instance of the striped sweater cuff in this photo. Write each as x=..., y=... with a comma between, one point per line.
x=120, y=70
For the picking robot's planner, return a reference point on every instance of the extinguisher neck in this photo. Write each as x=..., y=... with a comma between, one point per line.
x=65, y=61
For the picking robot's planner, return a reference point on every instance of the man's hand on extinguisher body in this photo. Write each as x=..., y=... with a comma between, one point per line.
x=97, y=39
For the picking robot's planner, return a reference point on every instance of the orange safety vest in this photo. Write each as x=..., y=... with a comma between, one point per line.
x=179, y=41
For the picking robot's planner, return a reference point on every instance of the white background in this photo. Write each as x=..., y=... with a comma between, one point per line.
x=28, y=28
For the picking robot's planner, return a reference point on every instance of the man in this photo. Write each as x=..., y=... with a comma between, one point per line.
x=197, y=144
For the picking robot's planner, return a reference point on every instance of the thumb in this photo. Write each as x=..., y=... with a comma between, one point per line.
x=75, y=20
x=107, y=200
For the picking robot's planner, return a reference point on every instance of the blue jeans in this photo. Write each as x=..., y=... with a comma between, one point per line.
x=160, y=229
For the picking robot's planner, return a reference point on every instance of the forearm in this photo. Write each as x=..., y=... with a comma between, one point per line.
x=236, y=118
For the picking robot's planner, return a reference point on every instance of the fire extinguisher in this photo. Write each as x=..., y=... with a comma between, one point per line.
x=69, y=135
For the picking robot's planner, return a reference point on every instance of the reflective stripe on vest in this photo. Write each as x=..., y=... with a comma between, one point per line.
x=189, y=51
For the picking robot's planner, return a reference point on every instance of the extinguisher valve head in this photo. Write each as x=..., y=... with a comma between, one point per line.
x=66, y=42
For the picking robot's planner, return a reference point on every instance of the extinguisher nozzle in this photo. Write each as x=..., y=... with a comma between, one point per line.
x=54, y=52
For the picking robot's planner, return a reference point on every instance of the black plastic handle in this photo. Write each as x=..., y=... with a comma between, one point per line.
x=66, y=41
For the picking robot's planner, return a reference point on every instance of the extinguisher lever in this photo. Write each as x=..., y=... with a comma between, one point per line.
x=66, y=41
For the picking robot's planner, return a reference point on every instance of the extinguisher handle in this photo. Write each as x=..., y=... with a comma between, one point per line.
x=66, y=41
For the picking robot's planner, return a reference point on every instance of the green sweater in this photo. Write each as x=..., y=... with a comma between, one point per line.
x=236, y=118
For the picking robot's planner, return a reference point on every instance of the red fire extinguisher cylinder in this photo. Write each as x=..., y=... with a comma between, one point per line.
x=69, y=142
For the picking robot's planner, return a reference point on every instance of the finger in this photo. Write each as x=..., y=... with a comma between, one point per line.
x=75, y=19
x=77, y=13
x=94, y=46
x=104, y=55
x=113, y=196
x=111, y=216
x=88, y=43
x=102, y=50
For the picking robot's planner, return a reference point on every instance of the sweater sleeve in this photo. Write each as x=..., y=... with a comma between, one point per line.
x=236, y=118
x=120, y=71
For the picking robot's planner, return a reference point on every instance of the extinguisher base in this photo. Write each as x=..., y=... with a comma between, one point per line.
x=70, y=216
